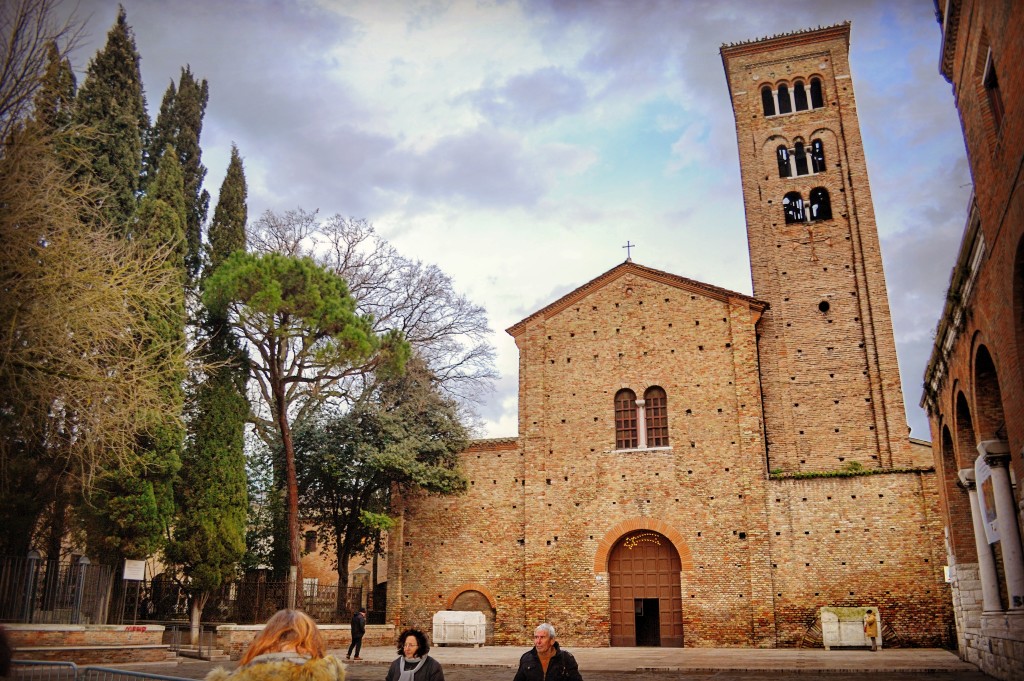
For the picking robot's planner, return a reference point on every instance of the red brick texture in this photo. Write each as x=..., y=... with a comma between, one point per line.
x=974, y=386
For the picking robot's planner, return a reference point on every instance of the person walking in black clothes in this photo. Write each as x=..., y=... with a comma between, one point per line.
x=358, y=630
x=546, y=661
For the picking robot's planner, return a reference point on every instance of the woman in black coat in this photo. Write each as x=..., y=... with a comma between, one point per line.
x=413, y=663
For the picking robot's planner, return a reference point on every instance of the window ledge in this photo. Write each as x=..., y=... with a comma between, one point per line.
x=793, y=113
x=636, y=450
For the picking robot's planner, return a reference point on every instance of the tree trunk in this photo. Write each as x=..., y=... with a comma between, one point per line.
x=292, y=487
x=199, y=600
x=343, y=557
x=374, y=576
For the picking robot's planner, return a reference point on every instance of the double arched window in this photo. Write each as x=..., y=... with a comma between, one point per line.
x=640, y=424
x=785, y=99
x=801, y=160
x=796, y=209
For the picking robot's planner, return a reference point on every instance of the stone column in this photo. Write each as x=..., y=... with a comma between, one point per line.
x=986, y=561
x=997, y=456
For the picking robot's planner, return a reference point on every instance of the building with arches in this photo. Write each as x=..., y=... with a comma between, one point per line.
x=974, y=382
x=699, y=467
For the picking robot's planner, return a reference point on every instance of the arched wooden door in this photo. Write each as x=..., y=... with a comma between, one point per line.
x=646, y=600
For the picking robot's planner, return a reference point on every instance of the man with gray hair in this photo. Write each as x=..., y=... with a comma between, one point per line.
x=546, y=660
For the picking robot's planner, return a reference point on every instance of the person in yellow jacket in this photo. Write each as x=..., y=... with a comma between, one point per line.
x=871, y=628
x=290, y=648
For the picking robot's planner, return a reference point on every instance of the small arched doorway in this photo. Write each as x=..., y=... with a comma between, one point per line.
x=645, y=596
x=474, y=600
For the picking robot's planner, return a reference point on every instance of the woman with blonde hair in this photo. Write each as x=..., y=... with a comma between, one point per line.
x=290, y=648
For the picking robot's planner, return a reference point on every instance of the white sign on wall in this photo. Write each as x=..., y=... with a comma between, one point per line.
x=134, y=570
x=986, y=499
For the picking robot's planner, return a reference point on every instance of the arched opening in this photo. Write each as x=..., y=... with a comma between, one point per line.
x=821, y=205
x=800, y=158
x=817, y=156
x=475, y=601
x=625, y=419
x=988, y=400
x=656, y=408
x=817, y=96
x=793, y=207
x=1018, y=307
x=768, y=101
x=966, y=444
x=785, y=106
x=961, y=537
x=782, y=156
x=645, y=594
x=800, y=95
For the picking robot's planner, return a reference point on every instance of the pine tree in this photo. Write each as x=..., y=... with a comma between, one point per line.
x=211, y=495
x=111, y=101
x=180, y=124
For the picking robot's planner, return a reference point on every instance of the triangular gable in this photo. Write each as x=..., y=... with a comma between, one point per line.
x=630, y=267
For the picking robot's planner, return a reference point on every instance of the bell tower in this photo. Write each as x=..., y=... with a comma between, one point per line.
x=830, y=380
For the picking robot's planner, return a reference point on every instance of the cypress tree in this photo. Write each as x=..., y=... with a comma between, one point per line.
x=227, y=231
x=54, y=101
x=211, y=495
x=132, y=507
x=180, y=124
x=112, y=102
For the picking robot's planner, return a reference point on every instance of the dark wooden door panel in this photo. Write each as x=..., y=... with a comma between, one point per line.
x=644, y=567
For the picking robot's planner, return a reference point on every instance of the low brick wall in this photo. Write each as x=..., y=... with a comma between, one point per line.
x=233, y=639
x=88, y=643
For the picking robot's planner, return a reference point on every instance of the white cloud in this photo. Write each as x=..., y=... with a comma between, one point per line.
x=519, y=144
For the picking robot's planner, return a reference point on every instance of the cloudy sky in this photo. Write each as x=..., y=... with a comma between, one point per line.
x=518, y=144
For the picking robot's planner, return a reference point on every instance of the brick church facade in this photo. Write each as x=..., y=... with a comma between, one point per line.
x=699, y=467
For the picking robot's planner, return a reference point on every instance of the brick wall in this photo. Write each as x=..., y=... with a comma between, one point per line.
x=542, y=511
x=974, y=387
x=233, y=639
x=88, y=644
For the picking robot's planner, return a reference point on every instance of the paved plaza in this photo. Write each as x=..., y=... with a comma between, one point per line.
x=620, y=664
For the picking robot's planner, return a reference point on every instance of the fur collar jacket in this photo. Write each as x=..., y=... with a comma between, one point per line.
x=283, y=667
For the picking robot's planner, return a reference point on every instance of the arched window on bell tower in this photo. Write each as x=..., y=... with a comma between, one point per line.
x=793, y=207
x=768, y=100
x=821, y=206
x=817, y=96
x=800, y=159
x=800, y=95
x=785, y=106
x=782, y=156
x=817, y=156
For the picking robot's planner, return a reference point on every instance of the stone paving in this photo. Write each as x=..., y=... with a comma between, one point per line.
x=691, y=664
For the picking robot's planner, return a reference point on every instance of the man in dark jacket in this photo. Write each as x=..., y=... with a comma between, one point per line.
x=546, y=661
x=358, y=630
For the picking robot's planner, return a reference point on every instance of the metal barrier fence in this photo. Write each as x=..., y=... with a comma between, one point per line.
x=179, y=637
x=33, y=590
x=44, y=671
x=49, y=592
x=37, y=670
